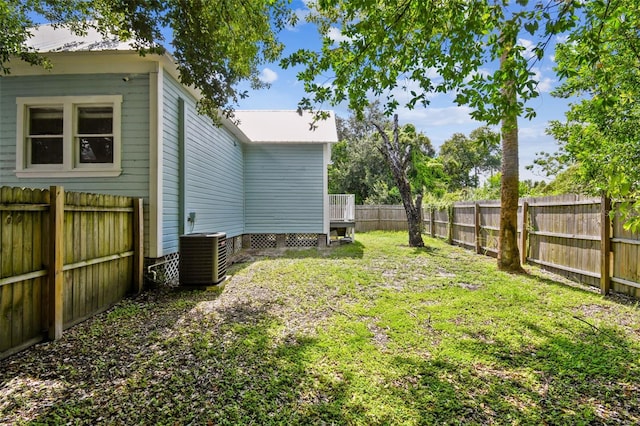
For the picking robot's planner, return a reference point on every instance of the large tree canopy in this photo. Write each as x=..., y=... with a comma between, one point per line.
x=216, y=44
x=416, y=48
x=601, y=63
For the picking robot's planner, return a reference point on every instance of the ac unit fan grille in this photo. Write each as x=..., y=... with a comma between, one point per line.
x=203, y=258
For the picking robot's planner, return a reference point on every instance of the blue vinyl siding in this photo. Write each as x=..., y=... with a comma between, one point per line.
x=170, y=166
x=214, y=172
x=134, y=180
x=284, y=188
x=231, y=187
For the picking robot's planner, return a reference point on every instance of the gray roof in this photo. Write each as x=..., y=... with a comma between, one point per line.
x=286, y=126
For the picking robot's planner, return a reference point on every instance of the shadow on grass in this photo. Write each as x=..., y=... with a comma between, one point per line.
x=567, y=283
x=585, y=378
x=427, y=249
x=190, y=357
x=557, y=283
x=352, y=250
x=176, y=359
x=574, y=374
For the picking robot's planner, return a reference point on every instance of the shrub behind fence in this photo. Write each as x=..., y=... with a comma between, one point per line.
x=570, y=235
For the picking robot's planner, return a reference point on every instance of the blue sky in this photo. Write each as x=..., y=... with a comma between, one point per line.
x=441, y=119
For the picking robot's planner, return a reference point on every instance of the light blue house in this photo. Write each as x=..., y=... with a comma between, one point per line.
x=107, y=120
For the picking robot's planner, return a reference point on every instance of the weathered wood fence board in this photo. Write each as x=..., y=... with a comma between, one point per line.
x=625, y=259
x=562, y=234
x=376, y=217
x=22, y=256
x=64, y=257
x=440, y=223
x=463, y=231
x=489, y=217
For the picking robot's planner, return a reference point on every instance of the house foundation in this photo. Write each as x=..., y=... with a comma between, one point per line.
x=166, y=269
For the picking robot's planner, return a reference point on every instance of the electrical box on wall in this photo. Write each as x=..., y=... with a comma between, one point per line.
x=192, y=217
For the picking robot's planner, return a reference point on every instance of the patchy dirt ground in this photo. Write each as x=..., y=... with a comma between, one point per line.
x=261, y=351
x=97, y=358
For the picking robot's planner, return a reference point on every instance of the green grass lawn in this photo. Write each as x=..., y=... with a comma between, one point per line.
x=372, y=332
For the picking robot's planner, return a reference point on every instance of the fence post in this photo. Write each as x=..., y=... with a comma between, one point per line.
x=138, y=245
x=56, y=258
x=605, y=244
x=450, y=228
x=476, y=209
x=432, y=218
x=524, y=232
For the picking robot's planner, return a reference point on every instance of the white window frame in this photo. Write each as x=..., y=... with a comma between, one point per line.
x=71, y=166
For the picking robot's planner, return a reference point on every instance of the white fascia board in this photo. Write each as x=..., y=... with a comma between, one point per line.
x=97, y=62
x=325, y=185
x=155, y=161
x=291, y=142
x=235, y=130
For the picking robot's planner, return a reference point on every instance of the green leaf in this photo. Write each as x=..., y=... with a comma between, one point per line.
x=531, y=27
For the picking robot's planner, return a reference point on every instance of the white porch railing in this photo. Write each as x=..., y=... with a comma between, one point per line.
x=343, y=207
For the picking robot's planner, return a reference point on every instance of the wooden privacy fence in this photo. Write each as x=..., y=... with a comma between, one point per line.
x=64, y=257
x=380, y=218
x=570, y=235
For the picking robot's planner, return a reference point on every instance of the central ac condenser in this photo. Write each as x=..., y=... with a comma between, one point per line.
x=203, y=259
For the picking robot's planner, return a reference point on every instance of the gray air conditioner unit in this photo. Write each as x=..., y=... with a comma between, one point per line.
x=203, y=258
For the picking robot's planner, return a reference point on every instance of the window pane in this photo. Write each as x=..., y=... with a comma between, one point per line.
x=96, y=150
x=95, y=120
x=46, y=150
x=45, y=121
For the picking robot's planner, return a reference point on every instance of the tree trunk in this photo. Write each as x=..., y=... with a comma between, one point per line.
x=396, y=157
x=508, y=254
x=414, y=217
x=413, y=209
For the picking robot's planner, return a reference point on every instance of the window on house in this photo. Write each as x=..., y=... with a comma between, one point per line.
x=45, y=135
x=94, y=138
x=69, y=136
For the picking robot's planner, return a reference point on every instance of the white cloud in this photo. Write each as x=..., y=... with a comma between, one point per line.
x=439, y=123
x=336, y=35
x=268, y=76
x=528, y=48
x=402, y=93
x=438, y=117
x=531, y=134
x=301, y=15
x=545, y=84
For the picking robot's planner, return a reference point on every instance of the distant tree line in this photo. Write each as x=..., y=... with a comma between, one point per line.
x=359, y=165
